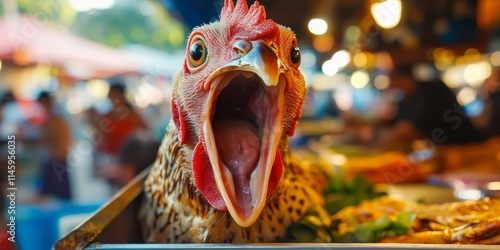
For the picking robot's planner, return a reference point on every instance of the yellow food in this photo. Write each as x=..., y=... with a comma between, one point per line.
x=465, y=222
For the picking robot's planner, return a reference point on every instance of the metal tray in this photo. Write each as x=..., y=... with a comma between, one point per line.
x=114, y=226
x=301, y=246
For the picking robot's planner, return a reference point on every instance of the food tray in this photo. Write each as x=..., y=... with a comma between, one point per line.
x=113, y=227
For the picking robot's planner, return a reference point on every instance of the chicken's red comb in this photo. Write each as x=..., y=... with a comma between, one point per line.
x=247, y=23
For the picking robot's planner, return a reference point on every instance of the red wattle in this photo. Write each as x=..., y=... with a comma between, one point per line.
x=275, y=173
x=204, y=178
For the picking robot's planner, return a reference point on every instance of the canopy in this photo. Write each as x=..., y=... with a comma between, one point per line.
x=27, y=40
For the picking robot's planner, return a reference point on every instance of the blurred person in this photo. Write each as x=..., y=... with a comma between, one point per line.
x=55, y=138
x=428, y=110
x=136, y=154
x=116, y=125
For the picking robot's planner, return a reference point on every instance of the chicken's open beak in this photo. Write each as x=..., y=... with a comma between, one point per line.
x=243, y=127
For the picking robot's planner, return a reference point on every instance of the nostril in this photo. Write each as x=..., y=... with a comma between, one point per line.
x=242, y=47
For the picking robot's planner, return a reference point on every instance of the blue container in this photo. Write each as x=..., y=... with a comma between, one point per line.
x=37, y=226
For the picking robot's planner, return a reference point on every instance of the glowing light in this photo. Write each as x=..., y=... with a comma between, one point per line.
x=494, y=185
x=469, y=194
x=360, y=79
x=98, y=88
x=443, y=57
x=371, y=60
x=323, y=43
x=341, y=58
x=495, y=58
x=343, y=98
x=381, y=82
x=352, y=33
x=360, y=60
x=424, y=72
x=454, y=77
x=466, y=96
x=0, y=64
x=474, y=108
x=438, y=53
x=476, y=73
x=472, y=54
x=74, y=106
x=462, y=60
x=330, y=68
x=317, y=26
x=338, y=159
x=364, y=59
x=86, y=5
x=387, y=14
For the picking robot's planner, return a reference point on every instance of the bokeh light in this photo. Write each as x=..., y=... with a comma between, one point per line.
x=466, y=95
x=387, y=14
x=381, y=82
x=324, y=43
x=341, y=58
x=330, y=68
x=453, y=77
x=360, y=60
x=495, y=58
x=352, y=33
x=476, y=73
x=360, y=79
x=343, y=98
x=98, y=88
x=317, y=26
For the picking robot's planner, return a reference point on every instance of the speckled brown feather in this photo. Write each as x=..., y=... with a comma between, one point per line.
x=173, y=210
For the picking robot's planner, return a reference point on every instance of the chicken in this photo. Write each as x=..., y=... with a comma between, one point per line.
x=224, y=171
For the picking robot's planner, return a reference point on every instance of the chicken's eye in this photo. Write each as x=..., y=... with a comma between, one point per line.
x=295, y=56
x=198, y=53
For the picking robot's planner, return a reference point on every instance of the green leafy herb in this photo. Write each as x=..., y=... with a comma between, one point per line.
x=340, y=193
x=403, y=222
x=370, y=232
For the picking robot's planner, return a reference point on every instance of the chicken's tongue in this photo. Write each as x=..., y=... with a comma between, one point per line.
x=238, y=145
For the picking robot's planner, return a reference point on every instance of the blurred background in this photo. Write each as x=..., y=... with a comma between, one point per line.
x=402, y=91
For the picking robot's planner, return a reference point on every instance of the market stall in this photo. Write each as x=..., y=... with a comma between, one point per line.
x=368, y=124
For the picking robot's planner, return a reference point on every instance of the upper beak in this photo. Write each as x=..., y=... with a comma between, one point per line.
x=257, y=57
x=260, y=59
